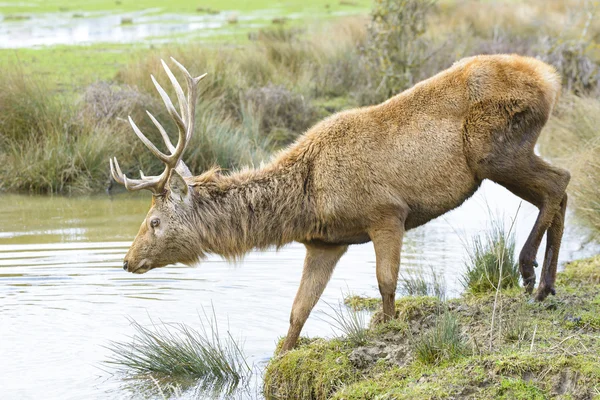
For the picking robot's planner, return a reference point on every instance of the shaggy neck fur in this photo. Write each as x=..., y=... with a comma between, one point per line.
x=251, y=209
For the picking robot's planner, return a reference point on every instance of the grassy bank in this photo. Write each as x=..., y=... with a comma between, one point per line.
x=436, y=349
x=264, y=92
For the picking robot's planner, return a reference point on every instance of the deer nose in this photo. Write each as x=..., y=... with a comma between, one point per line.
x=125, y=265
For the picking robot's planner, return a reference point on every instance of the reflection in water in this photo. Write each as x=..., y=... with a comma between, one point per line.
x=64, y=296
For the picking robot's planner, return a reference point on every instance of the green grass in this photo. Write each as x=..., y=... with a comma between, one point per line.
x=443, y=342
x=417, y=283
x=179, y=6
x=491, y=264
x=182, y=357
x=350, y=322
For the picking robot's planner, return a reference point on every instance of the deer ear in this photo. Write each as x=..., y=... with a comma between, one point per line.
x=178, y=186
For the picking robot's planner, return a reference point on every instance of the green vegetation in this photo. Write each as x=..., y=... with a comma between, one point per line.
x=449, y=350
x=350, y=322
x=265, y=90
x=176, y=357
x=416, y=283
x=443, y=342
x=491, y=263
x=177, y=6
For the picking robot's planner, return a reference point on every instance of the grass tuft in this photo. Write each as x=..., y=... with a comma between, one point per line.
x=351, y=322
x=178, y=353
x=491, y=261
x=416, y=283
x=443, y=342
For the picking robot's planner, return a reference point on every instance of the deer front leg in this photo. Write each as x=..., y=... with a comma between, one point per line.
x=388, y=243
x=319, y=264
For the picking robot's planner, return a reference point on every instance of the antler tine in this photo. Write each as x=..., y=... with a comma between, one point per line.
x=178, y=90
x=181, y=126
x=162, y=156
x=192, y=84
x=116, y=173
x=163, y=132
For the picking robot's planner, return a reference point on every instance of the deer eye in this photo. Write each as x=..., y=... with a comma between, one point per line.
x=155, y=222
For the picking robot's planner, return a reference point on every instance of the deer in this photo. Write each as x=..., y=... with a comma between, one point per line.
x=363, y=175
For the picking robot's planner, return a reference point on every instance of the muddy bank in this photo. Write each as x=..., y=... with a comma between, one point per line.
x=534, y=350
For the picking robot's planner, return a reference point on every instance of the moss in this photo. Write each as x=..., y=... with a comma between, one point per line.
x=362, y=303
x=313, y=371
x=514, y=388
x=582, y=271
x=561, y=359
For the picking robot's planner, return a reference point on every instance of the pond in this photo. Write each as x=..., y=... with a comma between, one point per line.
x=64, y=295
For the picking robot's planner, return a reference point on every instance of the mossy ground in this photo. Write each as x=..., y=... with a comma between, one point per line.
x=535, y=351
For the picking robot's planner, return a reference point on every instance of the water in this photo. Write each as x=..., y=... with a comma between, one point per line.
x=150, y=25
x=64, y=296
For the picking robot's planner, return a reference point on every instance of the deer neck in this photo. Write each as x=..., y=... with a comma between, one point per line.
x=252, y=209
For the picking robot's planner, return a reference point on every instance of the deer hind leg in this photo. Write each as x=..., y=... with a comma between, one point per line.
x=544, y=186
x=553, y=239
x=388, y=243
x=319, y=264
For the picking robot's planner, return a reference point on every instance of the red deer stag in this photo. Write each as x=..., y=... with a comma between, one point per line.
x=367, y=174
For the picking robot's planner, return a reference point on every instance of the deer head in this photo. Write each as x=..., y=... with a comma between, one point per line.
x=166, y=235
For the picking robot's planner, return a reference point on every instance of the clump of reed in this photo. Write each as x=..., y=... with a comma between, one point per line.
x=491, y=261
x=176, y=356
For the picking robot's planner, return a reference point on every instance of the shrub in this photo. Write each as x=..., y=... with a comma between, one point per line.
x=396, y=46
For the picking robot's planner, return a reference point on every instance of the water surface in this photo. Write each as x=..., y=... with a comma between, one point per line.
x=64, y=296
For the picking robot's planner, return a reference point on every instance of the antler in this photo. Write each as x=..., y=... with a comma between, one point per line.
x=185, y=126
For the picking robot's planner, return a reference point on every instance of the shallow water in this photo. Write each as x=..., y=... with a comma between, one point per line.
x=64, y=296
x=151, y=25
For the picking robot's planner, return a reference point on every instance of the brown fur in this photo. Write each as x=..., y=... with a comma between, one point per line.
x=371, y=173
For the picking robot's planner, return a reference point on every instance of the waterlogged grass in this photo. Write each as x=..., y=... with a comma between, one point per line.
x=175, y=357
x=440, y=350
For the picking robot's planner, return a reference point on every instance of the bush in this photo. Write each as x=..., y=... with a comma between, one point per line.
x=396, y=47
